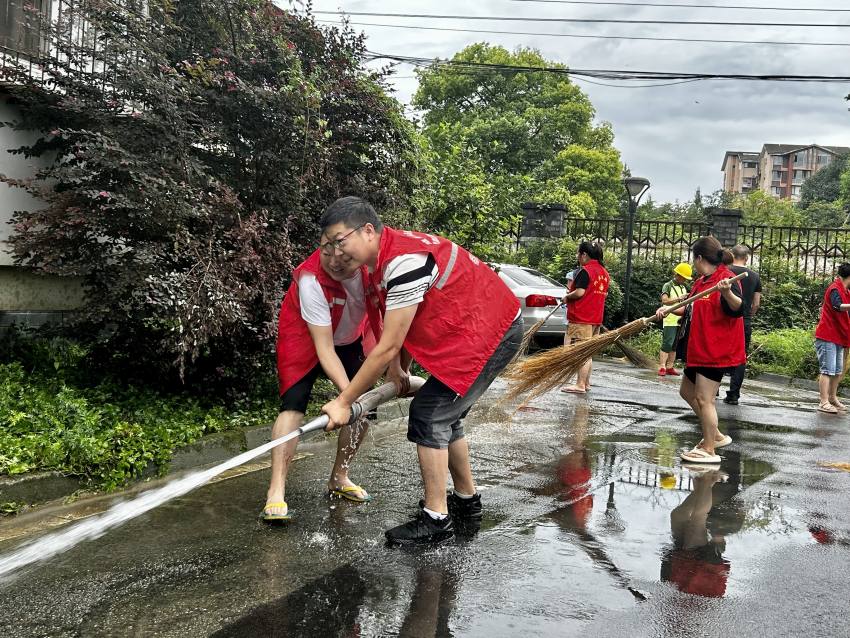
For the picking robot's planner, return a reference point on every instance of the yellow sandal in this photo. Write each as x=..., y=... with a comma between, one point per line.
x=272, y=518
x=347, y=492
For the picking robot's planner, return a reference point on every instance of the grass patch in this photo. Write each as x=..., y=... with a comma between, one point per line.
x=105, y=434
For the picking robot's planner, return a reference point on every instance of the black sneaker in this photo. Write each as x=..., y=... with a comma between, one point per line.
x=422, y=529
x=465, y=509
x=731, y=400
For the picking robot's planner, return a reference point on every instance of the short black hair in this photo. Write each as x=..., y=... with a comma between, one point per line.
x=351, y=211
x=741, y=252
x=844, y=270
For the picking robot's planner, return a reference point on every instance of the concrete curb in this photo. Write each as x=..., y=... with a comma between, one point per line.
x=805, y=384
x=39, y=488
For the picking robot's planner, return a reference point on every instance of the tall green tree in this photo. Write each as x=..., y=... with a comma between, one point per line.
x=191, y=147
x=530, y=133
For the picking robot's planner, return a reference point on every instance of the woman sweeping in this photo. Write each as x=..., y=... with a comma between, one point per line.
x=715, y=343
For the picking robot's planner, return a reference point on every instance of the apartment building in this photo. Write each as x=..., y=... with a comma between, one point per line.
x=740, y=172
x=779, y=169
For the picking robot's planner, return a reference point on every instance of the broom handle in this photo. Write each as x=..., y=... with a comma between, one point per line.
x=699, y=295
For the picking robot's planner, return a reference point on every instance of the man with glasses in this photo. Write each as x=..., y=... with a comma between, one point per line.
x=448, y=310
x=321, y=328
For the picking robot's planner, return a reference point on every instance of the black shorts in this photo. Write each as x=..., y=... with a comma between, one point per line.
x=712, y=374
x=298, y=396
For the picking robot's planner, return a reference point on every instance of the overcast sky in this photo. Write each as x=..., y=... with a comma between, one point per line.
x=675, y=136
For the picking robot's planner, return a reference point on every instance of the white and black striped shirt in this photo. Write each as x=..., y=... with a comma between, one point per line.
x=407, y=278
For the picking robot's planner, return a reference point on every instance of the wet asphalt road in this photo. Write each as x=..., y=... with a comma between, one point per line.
x=591, y=528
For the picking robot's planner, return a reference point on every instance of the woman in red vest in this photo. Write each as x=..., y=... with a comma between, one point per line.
x=715, y=343
x=321, y=327
x=586, y=306
x=448, y=310
x=832, y=337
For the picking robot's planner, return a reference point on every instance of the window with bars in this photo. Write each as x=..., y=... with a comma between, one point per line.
x=22, y=24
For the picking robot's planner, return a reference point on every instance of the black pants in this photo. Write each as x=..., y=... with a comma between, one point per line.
x=738, y=372
x=298, y=396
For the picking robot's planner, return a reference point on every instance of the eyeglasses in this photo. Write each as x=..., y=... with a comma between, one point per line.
x=330, y=247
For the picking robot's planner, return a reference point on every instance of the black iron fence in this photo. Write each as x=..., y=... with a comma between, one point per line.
x=776, y=250
x=814, y=252
x=651, y=240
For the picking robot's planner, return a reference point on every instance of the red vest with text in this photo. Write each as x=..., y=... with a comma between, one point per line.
x=296, y=353
x=715, y=340
x=463, y=316
x=591, y=307
x=834, y=326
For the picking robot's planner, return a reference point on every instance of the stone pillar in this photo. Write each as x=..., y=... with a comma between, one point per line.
x=724, y=225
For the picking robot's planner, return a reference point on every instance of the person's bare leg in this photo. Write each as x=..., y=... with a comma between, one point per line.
x=833, y=392
x=584, y=374
x=662, y=360
x=687, y=390
x=434, y=465
x=824, y=383
x=459, y=467
x=350, y=438
x=671, y=359
x=706, y=390
x=286, y=422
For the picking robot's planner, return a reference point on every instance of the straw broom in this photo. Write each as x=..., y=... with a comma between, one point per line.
x=529, y=334
x=546, y=370
x=635, y=356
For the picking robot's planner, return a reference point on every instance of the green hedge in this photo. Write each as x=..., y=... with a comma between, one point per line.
x=56, y=414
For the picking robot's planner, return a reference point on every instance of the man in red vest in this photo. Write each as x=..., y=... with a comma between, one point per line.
x=448, y=310
x=586, y=306
x=320, y=329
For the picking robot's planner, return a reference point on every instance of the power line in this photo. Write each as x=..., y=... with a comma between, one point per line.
x=603, y=37
x=605, y=74
x=685, y=6
x=433, y=16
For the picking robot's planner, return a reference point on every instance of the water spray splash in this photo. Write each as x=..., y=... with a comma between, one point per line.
x=58, y=542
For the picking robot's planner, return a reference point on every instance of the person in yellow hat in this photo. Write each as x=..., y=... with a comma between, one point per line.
x=674, y=290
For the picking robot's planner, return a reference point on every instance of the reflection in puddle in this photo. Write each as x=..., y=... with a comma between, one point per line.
x=656, y=516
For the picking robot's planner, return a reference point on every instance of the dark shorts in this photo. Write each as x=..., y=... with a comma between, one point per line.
x=298, y=396
x=712, y=374
x=668, y=338
x=437, y=412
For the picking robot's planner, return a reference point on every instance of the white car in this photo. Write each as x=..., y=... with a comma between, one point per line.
x=537, y=295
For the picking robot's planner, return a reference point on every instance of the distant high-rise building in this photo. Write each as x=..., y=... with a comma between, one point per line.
x=779, y=169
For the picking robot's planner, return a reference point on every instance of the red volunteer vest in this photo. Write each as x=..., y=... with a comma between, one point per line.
x=591, y=307
x=834, y=326
x=715, y=339
x=296, y=353
x=462, y=318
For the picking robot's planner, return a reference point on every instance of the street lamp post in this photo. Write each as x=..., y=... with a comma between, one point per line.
x=636, y=187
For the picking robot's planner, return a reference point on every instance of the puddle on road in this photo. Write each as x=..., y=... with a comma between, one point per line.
x=631, y=511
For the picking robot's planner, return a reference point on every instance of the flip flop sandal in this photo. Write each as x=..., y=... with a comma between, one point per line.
x=573, y=390
x=726, y=440
x=828, y=408
x=275, y=518
x=698, y=455
x=840, y=407
x=348, y=492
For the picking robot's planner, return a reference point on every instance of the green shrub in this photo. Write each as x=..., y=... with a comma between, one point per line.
x=105, y=434
x=788, y=351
